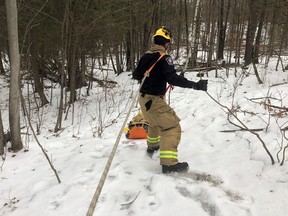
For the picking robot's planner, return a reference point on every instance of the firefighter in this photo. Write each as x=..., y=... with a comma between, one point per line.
x=164, y=130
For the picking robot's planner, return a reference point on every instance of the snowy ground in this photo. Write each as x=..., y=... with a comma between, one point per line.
x=230, y=172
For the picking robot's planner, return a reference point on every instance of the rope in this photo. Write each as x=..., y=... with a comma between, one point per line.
x=169, y=89
x=109, y=162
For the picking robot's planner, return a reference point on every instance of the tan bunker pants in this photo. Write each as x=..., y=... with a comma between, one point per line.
x=164, y=128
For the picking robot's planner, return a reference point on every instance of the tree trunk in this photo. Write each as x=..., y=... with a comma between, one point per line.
x=63, y=52
x=119, y=68
x=197, y=24
x=131, y=39
x=39, y=87
x=221, y=32
x=90, y=82
x=186, y=28
x=71, y=50
x=257, y=74
x=2, y=142
x=179, y=22
x=259, y=33
x=71, y=69
x=153, y=20
x=250, y=35
x=281, y=46
x=272, y=33
x=2, y=71
x=128, y=51
x=58, y=125
x=83, y=69
x=14, y=92
x=212, y=35
x=222, y=26
x=240, y=32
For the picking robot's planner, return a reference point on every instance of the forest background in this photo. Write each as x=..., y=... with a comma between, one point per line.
x=66, y=41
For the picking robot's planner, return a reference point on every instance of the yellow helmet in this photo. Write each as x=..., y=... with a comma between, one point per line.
x=163, y=32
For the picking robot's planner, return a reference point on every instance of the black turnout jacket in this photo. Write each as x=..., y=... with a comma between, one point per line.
x=162, y=73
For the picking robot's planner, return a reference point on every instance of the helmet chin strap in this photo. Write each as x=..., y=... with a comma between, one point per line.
x=167, y=46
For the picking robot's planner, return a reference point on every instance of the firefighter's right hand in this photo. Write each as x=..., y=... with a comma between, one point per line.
x=202, y=85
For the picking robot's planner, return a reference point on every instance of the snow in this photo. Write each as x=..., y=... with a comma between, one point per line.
x=230, y=172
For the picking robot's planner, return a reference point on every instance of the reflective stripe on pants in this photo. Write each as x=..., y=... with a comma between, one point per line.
x=153, y=140
x=168, y=154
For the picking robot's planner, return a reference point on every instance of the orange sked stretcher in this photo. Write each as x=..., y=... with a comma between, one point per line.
x=137, y=128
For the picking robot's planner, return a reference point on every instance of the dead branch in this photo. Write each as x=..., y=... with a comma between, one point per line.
x=283, y=158
x=268, y=104
x=103, y=83
x=204, y=68
x=244, y=126
x=257, y=74
x=278, y=84
x=284, y=150
x=242, y=129
x=276, y=107
x=260, y=98
x=3, y=156
x=284, y=129
x=127, y=205
x=281, y=144
x=39, y=144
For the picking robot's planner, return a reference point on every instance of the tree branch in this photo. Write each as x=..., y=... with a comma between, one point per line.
x=39, y=144
x=242, y=129
x=245, y=127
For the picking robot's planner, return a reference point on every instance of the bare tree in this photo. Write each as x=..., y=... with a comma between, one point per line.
x=58, y=125
x=186, y=28
x=239, y=22
x=38, y=78
x=1, y=136
x=212, y=21
x=14, y=93
x=250, y=35
x=259, y=33
x=222, y=26
x=196, y=24
x=2, y=71
x=273, y=26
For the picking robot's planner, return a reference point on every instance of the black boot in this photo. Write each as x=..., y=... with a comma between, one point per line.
x=150, y=150
x=179, y=167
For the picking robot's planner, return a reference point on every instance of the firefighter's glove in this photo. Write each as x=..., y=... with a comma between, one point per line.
x=202, y=85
